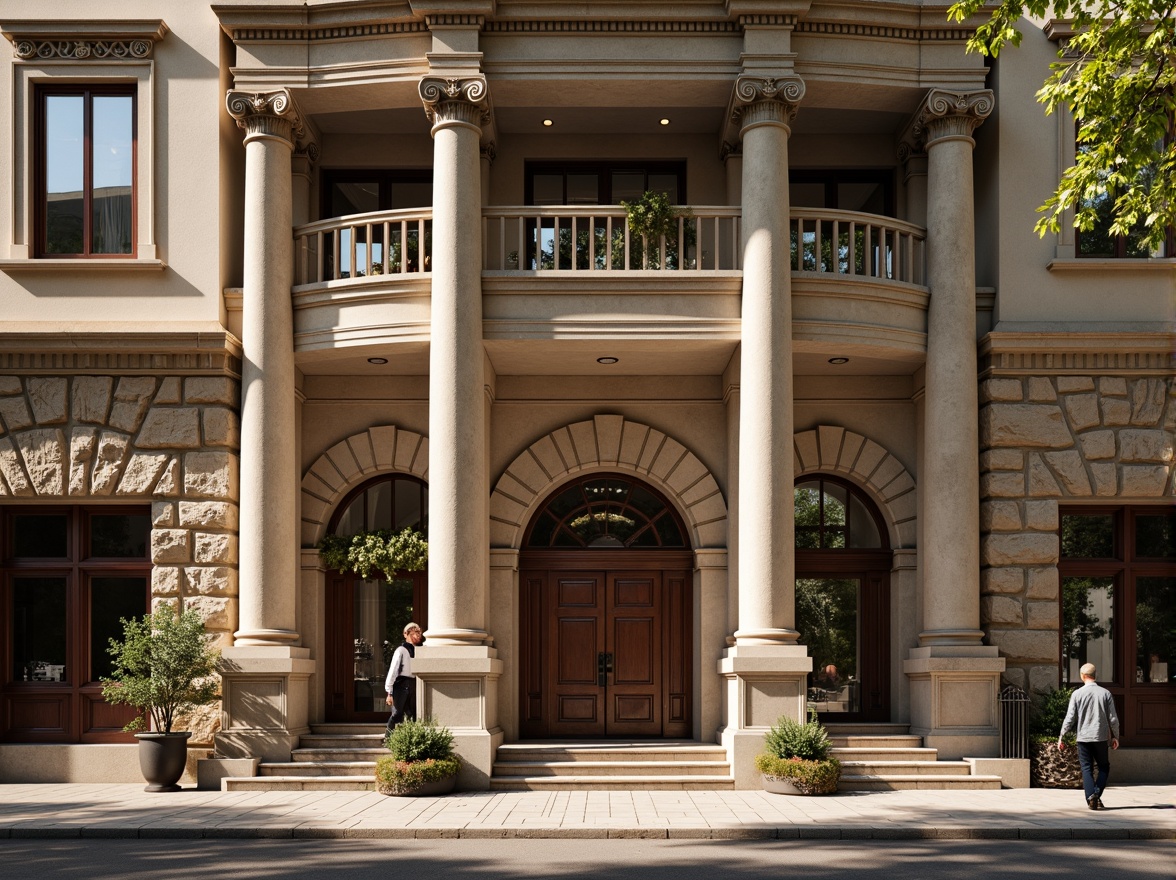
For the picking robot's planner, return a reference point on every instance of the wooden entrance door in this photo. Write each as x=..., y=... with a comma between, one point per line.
x=607, y=653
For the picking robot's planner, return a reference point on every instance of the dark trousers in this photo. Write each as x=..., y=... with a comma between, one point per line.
x=403, y=701
x=1090, y=755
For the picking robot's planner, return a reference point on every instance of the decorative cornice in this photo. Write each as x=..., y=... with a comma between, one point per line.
x=751, y=21
x=310, y=34
x=84, y=40
x=455, y=21
x=456, y=100
x=1112, y=353
x=857, y=29
x=597, y=27
x=947, y=116
x=266, y=115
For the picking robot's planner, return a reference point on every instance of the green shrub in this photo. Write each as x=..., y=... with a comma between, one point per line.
x=791, y=739
x=1047, y=715
x=404, y=777
x=811, y=777
x=420, y=741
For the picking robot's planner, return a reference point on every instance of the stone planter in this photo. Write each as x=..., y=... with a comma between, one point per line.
x=780, y=785
x=162, y=758
x=1049, y=768
x=428, y=789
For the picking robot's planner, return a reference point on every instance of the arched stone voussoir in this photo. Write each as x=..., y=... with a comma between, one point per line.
x=607, y=443
x=382, y=449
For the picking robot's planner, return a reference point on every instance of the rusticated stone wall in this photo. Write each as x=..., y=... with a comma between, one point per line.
x=1046, y=441
x=171, y=441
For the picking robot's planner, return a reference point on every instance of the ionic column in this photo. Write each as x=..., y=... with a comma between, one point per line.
x=268, y=548
x=458, y=491
x=766, y=529
x=951, y=466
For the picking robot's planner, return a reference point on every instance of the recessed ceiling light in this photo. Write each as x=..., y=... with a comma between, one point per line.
x=607, y=360
x=839, y=360
x=664, y=120
x=548, y=122
x=377, y=360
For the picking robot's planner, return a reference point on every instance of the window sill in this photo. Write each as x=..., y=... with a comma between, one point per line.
x=1084, y=264
x=81, y=265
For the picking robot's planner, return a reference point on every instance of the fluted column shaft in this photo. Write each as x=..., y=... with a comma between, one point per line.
x=766, y=567
x=458, y=491
x=268, y=562
x=951, y=512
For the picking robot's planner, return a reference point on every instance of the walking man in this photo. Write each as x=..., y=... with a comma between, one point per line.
x=401, y=683
x=1092, y=714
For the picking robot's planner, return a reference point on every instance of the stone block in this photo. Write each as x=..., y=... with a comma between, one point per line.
x=1041, y=480
x=44, y=457
x=163, y=514
x=633, y=437
x=1041, y=390
x=1042, y=583
x=805, y=446
x=869, y=458
x=215, y=548
x=1115, y=412
x=1143, y=481
x=10, y=386
x=1002, y=460
x=1106, y=479
x=218, y=580
x=1140, y=445
x=1069, y=468
x=851, y=445
x=166, y=580
x=1041, y=516
x=169, y=391
x=904, y=506
x=1020, y=548
x=12, y=469
x=887, y=471
x=1043, y=679
x=688, y=472
x=608, y=437
x=1000, y=516
x=47, y=394
x=408, y=449
x=1097, y=444
x=1112, y=386
x=211, y=475
x=829, y=444
x=1082, y=410
x=83, y=443
x=668, y=458
x=217, y=612
x=223, y=428
x=208, y=514
x=131, y=399
x=1014, y=676
x=700, y=491
x=582, y=443
x=210, y=389
x=90, y=398
x=170, y=545
x=141, y=473
x=1000, y=609
x=1069, y=384
x=383, y=439
x=1001, y=389
x=1147, y=401
x=1002, y=580
x=1043, y=615
x=169, y=480
x=15, y=413
x=108, y=462
x=1022, y=424
x=1003, y=485
x=1025, y=645
x=341, y=456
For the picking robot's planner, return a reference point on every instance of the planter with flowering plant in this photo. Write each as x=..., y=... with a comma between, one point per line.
x=796, y=758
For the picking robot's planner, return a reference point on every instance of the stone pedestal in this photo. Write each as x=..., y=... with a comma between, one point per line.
x=264, y=701
x=761, y=682
x=954, y=692
x=458, y=686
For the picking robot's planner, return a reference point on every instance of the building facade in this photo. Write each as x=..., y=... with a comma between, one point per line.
x=845, y=433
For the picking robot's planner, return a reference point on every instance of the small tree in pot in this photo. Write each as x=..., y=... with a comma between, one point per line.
x=796, y=758
x=164, y=665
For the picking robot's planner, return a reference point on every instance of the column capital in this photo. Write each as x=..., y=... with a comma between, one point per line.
x=762, y=100
x=456, y=101
x=271, y=115
x=945, y=116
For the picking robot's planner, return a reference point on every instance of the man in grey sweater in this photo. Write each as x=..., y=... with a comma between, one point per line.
x=1092, y=713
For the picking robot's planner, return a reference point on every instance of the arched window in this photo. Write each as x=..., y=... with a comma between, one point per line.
x=606, y=512
x=394, y=502
x=833, y=515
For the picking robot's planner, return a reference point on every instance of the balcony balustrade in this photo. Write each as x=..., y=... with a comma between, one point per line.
x=532, y=240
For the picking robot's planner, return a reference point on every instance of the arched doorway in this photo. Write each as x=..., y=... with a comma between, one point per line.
x=843, y=599
x=365, y=618
x=605, y=613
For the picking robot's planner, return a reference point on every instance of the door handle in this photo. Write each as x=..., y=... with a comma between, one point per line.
x=601, y=670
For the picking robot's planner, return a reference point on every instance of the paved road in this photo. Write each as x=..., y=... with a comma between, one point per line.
x=597, y=859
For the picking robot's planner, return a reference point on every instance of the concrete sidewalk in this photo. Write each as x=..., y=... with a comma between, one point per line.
x=126, y=811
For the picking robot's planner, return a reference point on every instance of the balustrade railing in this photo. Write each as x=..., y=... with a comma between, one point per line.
x=598, y=238
x=359, y=245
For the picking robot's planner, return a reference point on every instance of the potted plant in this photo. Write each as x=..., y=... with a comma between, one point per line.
x=651, y=218
x=379, y=550
x=422, y=760
x=796, y=758
x=1049, y=768
x=164, y=665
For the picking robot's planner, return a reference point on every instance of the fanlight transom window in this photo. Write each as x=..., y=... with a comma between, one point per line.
x=832, y=515
x=393, y=502
x=606, y=512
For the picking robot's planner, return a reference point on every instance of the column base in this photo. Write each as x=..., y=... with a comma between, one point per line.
x=954, y=693
x=458, y=686
x=762, y=683
x=264, y=701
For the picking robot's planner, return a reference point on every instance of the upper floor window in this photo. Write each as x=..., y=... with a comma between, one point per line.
x=844, y=189
x=85, y=170
x=602, y=183
x=362, y=191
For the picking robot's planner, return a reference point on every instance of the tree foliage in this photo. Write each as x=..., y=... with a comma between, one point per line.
x=164, y=666
x=1117, y=74
x=381, y=550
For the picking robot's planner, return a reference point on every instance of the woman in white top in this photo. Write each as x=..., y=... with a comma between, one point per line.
x=401, y=684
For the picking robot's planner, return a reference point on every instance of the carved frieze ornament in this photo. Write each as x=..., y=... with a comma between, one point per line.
x=266, y=115
x=80, y=50
x=758, y=100
x=948, y=116
x=456, y=100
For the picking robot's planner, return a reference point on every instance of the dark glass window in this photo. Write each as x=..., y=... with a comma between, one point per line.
x=1088, y=536
x=38, y=628
x=602, y=183
x=394, y=503
x=830, y=515
x=606, y=512
x=843, y=189
x=85, y=170
x=119, y=535
x=111, y=600
x=40, y=536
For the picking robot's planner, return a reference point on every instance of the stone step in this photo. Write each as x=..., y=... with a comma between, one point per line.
x=572, y=769
x=905, y=768
x=900, y=782
x=857, y=754
x=320, y=768
x=605, y=751
x=612, y=783
x=298, y=783
x=340, y=741
x=331, y=729
x=334, y=754
x=867, y=728
x=862, y=741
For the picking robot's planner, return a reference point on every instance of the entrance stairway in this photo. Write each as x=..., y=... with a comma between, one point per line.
x=881, y=757
x=342, y=757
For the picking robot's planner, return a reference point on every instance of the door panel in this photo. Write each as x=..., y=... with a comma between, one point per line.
x=576, y=638
x=634, y=612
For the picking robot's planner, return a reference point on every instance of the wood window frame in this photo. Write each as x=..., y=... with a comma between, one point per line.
x=831, y=177
x=604, y=169
x=383, y=177
x=87, y=91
